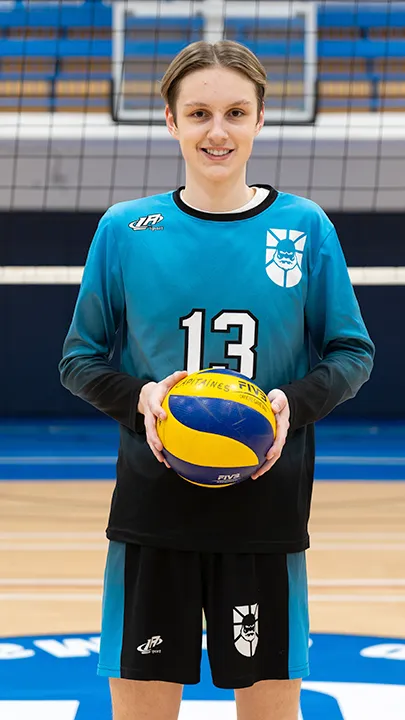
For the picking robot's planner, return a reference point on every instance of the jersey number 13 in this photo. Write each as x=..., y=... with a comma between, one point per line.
x=243, y=349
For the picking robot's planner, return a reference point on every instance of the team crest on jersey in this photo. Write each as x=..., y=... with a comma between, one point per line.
x=246, y=628
x=148, y=222
x=284, y=251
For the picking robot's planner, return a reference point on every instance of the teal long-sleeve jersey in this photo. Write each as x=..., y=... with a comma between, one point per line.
x=250, y=291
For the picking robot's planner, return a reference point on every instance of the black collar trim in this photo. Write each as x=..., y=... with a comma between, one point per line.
x=227, y=217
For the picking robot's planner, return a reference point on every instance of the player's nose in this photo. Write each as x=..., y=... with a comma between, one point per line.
x=217, y=131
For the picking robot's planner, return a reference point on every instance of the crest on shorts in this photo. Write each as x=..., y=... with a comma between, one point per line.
x=284, y=251
x=246, y=628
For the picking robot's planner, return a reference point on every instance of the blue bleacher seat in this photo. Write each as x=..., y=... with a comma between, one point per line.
x=54, y=47
x=353, y=50
x=362, y=48
x=82, y=47
x=90, y=14
x=361, y=14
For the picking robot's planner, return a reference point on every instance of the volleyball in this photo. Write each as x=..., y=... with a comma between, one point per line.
x=219, y=427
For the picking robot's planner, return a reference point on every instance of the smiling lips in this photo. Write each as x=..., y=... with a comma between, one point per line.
x=217, y=154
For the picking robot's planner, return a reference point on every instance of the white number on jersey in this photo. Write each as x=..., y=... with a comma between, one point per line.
x=243, y=350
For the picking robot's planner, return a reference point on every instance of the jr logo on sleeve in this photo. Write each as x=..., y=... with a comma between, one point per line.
x=148, y=222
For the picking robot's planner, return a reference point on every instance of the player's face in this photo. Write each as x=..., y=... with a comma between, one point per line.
x=216, y=123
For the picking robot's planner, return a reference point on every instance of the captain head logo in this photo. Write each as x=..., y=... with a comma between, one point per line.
x=246, y=629
x=148, y=222
x=284, y=253
x=150, y=646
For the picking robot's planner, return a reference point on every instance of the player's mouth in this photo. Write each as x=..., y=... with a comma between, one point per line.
x=217, y=154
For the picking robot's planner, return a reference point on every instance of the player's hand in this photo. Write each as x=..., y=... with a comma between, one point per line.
x=281, y=409
x=150, y=405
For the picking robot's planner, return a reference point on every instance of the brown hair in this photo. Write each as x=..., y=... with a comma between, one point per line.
x=201, y=54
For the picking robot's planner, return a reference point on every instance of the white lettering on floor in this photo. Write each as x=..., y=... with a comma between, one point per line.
x=385, y=651
x=38, y=709
x=70, y=647
x=364, y=700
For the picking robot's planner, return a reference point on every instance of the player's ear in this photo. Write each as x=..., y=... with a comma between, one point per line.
x=260, y=121
x=170, y=122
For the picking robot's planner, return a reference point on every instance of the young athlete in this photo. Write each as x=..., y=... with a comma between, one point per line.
x=217, y=273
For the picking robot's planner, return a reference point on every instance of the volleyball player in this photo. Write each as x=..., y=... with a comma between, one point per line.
x=217, y=273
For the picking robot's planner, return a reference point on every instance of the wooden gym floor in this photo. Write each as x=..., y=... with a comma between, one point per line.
x=53, y=551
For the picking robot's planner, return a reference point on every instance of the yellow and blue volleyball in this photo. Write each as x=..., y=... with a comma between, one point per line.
x=219, y=427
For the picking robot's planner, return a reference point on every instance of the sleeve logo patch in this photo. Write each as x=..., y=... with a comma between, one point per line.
x=148, y=222
x=284, y=251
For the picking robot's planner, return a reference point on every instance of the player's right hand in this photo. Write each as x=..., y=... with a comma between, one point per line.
x=150, y=405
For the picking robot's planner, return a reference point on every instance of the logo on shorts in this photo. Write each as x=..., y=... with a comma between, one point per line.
x=150, y=645
x=148, y=222
x=246, y=629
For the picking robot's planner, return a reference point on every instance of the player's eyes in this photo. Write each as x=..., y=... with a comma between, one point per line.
x=200, y=114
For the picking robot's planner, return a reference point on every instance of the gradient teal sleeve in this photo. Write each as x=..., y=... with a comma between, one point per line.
x=339, y=337
x=85, y=368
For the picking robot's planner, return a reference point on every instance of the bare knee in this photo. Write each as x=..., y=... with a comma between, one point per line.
x=145, y=700
x=269, y=700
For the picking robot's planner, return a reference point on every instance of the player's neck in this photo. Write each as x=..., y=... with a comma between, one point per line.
x=213, y=197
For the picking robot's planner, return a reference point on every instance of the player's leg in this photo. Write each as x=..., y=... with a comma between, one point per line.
x=256, y=608
x=151, y=629
x=139, y=700
x=269, y=700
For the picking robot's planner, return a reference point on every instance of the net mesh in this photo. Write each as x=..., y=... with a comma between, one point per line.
x=66, y=66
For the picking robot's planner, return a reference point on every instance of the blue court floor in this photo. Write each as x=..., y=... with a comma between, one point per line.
x=54, y=678
x=87, y=449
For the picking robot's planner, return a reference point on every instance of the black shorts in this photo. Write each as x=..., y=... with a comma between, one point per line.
x=255, y=605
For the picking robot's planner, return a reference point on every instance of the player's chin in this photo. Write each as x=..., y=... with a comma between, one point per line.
x=213, y=169
x=225, y=171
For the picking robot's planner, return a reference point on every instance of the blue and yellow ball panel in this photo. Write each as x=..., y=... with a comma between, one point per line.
x=208, y=476
x=219, y=428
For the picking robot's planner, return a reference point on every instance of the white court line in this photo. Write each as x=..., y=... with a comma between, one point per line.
x=359, y=460
x=358, y=598
x=111, y=459
x=356, y=546
x=53, y=535
x=97, y=582
x=51, y=582
x=38, y=709
x=63, y=597
x=215, y=709
x=58, y=460
x=357, y=535
x=91, y=547
x=97, y=535
x=96, y=597
x=34, y=547
x=203, y=709
x=358, y=582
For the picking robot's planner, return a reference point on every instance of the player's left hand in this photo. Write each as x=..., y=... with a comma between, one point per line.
x=281, y=409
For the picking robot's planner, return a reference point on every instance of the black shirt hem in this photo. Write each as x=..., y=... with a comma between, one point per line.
x=209, y=544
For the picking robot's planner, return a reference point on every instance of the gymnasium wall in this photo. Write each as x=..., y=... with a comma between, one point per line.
x=34, y=318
